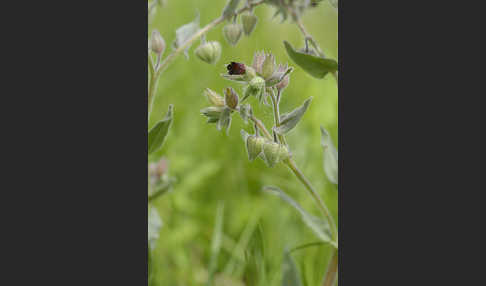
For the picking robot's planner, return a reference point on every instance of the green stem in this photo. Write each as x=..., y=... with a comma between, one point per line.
x=332, y=270
x=322, y=206
x=262, y=127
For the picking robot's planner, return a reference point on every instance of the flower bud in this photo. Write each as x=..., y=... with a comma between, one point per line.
x=214, y=98
x=255, y=88
x=209, y=52
x=283, y=153
x=232, y=32
x=268, y=66
x=157, y=43
x=271, y=153
x=230, y=98
x=212, y=113
x=249, y=21
x=254, y=146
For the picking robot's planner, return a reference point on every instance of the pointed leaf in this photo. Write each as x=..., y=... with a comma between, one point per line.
x=154, y=225
x=289, y=120
x=315, y=66
x=319, y=226
x=185, y=32
x=157, y=134
x=330, y=157
x=290, y=272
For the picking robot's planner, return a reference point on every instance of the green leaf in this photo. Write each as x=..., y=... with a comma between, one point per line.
x=185, y=32
x=330, y=157
x=315, y=66
x=319, y=226
x=289, y=120
x=229, y=9
x=290, y=273
x=154, y=225
x=157, y=134
x=334, y=3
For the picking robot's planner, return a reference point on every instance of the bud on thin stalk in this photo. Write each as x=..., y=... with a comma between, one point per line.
x=231, y=98
x=232, y=32
x=157, y=43
x=249, y=21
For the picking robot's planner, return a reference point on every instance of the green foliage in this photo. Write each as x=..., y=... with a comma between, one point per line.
x=157, y=134
x=330, y=156
x=315, y=66
x=211, y=167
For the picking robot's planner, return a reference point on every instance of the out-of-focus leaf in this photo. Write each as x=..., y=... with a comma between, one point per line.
x=157, y=134
x=289, y=120
x=185, y=32
x=315, y=66
x=290, y=273
x=319, y=226
x=216, y=241
x=154, y=225
x=330, y=157
x=334, y=3
x=230, y=8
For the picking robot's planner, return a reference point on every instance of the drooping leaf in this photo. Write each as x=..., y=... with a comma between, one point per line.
x=315, y=66
x=318, y=226
x=157, y=134
x=290, y=272
x=185, y=32
x=154, y=225
x=229, y=9
x=289, y=120
x=330, y=157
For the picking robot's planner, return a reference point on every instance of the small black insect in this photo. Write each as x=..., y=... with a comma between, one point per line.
x=236, y=68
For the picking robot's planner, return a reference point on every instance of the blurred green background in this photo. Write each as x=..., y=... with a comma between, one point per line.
x=211, y=167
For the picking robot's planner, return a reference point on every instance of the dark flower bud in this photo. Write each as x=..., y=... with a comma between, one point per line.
x=236, y=68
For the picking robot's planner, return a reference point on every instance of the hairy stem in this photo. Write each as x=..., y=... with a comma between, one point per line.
x=303, y=30
x=332, y=270
x=262, y=127
x=176, y=52
x=322, y=206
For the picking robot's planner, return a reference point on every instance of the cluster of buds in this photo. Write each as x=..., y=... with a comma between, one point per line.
x=260, y=80
x=270, y=152
x=232, y=32
x=263, y=73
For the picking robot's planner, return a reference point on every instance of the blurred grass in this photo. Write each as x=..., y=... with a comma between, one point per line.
x=211, y=167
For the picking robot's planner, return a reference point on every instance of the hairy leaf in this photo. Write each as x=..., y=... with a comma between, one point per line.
x=315, y=66
x=290, y=273
x=319, y=226
x=289, y=120
x=185, y=32
x=154, y=225
x=157, y=134
x=330, y=157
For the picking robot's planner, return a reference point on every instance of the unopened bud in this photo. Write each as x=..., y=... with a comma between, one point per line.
x=214, y=98
x=255, y=88
x=271, y=153
x=209, y=52
x=212, y=113
x=249, y=21
x=230, y=98
x=268, y=66
x=254, y=146
x=232, y=32
x=157, y=43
